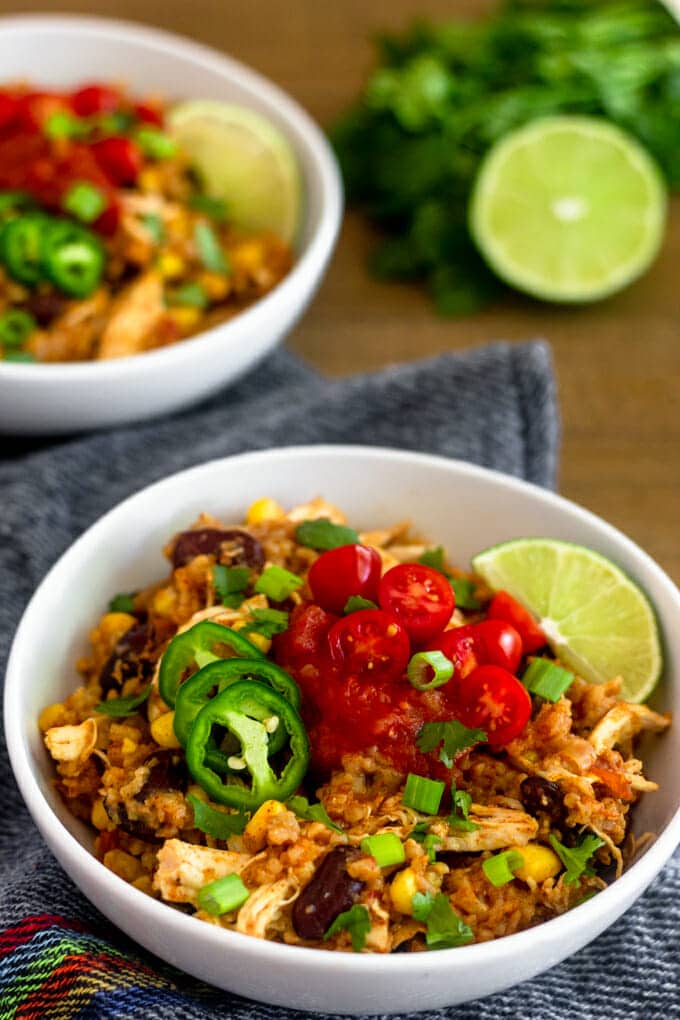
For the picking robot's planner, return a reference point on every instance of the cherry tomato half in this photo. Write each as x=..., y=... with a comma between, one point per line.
x=459, y=646
x=504, y=607
x=342, y=572
x=494, y=700
x=93, y=99
x=370, y=644
x=120, y=159
x=9, y=110
x=421, y=599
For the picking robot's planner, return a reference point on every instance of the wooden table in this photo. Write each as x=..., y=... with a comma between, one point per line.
x=617, y=362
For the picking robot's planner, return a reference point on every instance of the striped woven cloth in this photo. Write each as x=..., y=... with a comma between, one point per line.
x=59, y=958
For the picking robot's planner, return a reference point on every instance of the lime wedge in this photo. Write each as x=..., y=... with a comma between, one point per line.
x=243, y=159
x=568, y=209
x=596, y=619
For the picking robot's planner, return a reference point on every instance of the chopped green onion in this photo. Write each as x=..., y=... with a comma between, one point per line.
x=15, y=327
x=84, y=201
x=385, y=847
x=500, y=868
x=301, y=807
x=19, y=356
x=209, y=249
x=277, y=584
x=223, y=895
x=464, y=590
x=459, y=817
x=428, y=670
x=356, y=921
x=575, y=858
x=323, y=534
x=356, y=602
x=219, y=824
x=154, y=225
x=229, y=580
x=453, y=736
x=154, y=143
x=122, y=603
x=423, y=794
x=546, y=679
x=64, y=125
x=121, y=707
x=267, y=622
x=191, y=295
x=213, y=207
x=445, y=929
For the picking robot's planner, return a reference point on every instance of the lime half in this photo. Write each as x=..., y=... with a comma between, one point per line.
x=243, y=159
x=596, y=619
x=568, y=208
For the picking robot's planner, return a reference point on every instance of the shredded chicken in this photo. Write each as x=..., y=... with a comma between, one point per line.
x=134, y=317
x=264, y=905
x=183, y=869
x=72, y=743
x=623, y=722
x=496, y=827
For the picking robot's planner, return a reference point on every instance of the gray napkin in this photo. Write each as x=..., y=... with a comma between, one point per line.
x=494, y=406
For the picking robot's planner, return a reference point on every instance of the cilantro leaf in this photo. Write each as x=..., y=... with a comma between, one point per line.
x=452, y=735
x=355, y=921
x=458, y=819
x=433, y=558
x=216, y=823
x=445, y=929
x=463, y=588
x=311, y=812
x=121, y=707
x=427, y=839
x=323, y=534
x=122, y=603
x=355, y=602
x=575, y=859
x=267, y=622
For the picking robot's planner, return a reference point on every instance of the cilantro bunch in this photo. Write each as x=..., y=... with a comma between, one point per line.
x=442, y=95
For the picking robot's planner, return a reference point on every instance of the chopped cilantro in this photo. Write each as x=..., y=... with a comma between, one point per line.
x=267, y=622
x=121, y=707
x=216, y=823
x=452, y=735
x=122, y=603
x=311, y=812
x=433, y=558
x=355, y=921
x=458, y=819
x=575, y=858
x=323, y=534
x=230, y=581
x=355, y=602
x=445, y=929
x=464, y=590
x=428, y=840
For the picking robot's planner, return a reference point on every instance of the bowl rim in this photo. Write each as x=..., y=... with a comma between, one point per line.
x=315, y=250
x=555, y=931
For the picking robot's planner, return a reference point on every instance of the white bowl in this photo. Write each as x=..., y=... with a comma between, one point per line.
x=59, y=398
x=464, y=507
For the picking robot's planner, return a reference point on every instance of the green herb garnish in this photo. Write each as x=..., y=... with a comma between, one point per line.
x=575, y=858
x=311, y=812
x=218, y=824
x=323, y=534
x=122, y=603
x=459, y=817
x=453, y=737
x=209, y=248
x=355, y=921
x=267, y=622
x=445, y=929
x=357, y=602
x=427, y=839
x=277, y=584
x=121, y=707
x=230, y=583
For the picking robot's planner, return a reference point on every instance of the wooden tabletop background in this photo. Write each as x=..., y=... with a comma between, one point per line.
x=617, y=362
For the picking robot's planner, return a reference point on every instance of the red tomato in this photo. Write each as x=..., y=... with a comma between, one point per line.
x=120, y=159
x=305, y=640
x=370, y=644
x=498, y=644
x=494, y=700
x=504, y=607
x=148, y=114
x=421, y=599
x=93, y=99
x=342, y=572
x=9, y=110
x=460, y=647
x=36, y=107
x=107, y=223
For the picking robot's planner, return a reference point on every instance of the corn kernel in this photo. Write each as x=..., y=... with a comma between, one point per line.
x=143, y=883
x=540, y=862
x=216, y=285
x=170, y=265
x=255, y=832
x=261, y=642
x=122, y=864
x=128, y=746
x=264, y=509
x=403, y=889
x=247, y=256
x=53, y=715
x=149, y=179
x=99, y=817
x=112, y=626
x=162, y=731
x=164, y=602
x=184, y=316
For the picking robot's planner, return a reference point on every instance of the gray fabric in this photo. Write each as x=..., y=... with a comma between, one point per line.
x=494, y=406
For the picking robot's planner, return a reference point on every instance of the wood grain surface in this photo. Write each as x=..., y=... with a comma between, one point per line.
x=617, y=362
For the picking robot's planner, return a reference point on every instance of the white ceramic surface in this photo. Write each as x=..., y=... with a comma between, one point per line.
x=59, y=398
x=464, y=507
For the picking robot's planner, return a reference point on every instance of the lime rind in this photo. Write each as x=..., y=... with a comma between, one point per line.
x=516, y=234
x=242, y=158
x=596, y=618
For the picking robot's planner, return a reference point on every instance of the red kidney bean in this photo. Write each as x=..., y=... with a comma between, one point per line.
x=130, y=658
x=242, y=550
x=539, y=794
x=330, y=892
